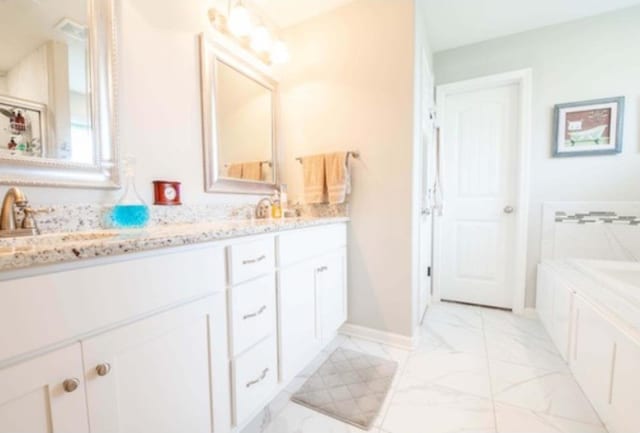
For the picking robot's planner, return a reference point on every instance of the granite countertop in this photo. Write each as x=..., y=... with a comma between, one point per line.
x=47, y=249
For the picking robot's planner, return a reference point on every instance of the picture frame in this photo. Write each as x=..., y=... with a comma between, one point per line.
x=589, y=128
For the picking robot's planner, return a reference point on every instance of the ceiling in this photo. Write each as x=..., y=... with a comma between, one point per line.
x=454, y=23
x=286, y=13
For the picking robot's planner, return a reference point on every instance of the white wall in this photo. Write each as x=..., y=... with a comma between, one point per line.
x=349, y=86
x=592, y=58
x=159, y=102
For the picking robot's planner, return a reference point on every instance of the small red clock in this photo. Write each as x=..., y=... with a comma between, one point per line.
x=166, y=192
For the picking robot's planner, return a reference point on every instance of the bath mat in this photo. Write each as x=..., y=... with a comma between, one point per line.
x=350, y=387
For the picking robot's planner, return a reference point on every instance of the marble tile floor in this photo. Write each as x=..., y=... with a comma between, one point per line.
x=474, y=370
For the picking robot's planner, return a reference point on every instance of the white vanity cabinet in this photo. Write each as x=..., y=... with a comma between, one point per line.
x=312, y=294
x=154, y=374
x=133, y=344
x=196, y=338
x=44, y=394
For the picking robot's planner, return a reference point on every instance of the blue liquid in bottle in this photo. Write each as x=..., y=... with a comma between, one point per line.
x=130, y=215
x=130, y=211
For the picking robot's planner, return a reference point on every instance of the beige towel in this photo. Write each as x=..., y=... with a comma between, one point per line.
x=314, y=179
x=252, y=170
x=338, y=176
x=235, y=171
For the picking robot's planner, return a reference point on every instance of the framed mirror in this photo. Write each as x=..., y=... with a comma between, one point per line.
x=57, y=93
x=238, y=104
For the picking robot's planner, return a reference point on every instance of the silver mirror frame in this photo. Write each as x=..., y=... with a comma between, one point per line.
x=104, y=171
x=210, y=52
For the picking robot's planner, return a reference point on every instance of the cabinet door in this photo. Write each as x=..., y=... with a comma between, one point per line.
x=153, y=375
x=544, y=297
x=297, y=324
x=332, y=293
x=624, y=415
x=593, y=353
x=44, y=394
x=562, y=309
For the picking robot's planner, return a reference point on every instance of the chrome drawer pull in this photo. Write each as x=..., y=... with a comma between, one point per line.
x=260, y=379
x=252, y=261
x=323, y=269
x=257, y=313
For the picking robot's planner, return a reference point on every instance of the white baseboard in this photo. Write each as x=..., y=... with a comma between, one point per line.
x=383, y=337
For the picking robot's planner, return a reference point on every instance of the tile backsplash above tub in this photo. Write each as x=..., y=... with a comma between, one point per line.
x=596, y=217
x=591, y=230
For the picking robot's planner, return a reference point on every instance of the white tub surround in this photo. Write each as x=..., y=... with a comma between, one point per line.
x=198, y=337
x=591, y=309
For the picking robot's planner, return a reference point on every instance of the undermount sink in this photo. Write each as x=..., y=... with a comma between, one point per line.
x=14, y=245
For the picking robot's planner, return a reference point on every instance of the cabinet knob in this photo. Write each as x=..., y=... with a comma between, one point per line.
x=71, y=385
x=103, y=369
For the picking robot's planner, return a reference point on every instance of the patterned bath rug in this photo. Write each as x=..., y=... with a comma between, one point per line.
x=349, y=386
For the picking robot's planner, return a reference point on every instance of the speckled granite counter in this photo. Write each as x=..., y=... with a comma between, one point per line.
x=47, y=249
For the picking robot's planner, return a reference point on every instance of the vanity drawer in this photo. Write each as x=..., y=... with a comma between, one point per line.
x=252, y=312
x=251, y=259
x=300, y=245
x=254, y=379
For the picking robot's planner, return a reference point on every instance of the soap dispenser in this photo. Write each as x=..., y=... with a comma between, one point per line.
x=276, y=205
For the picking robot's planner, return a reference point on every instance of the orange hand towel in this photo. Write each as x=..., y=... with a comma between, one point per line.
x=338, y=176
x=252, y=171
x=235, y=171
x=314, y=179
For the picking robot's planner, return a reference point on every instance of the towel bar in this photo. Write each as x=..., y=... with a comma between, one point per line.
x=353, y=154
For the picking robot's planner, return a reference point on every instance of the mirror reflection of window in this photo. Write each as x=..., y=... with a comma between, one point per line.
x=245, y=122
x=44, y=85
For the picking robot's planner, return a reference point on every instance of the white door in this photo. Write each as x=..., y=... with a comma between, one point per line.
x=297, y=324
x=44, y=394
x=427, y=130
x=332, y=293
x=153, y=375
x=479, y=185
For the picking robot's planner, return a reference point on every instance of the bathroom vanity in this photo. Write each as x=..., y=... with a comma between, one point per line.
x=591, y=309
x=179, y=328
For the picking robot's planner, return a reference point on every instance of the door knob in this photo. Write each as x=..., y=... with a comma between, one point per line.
x=103, y=369
x=508, y=209
x=71, y=385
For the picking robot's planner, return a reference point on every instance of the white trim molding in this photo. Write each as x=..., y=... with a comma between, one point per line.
x=388, y=338
x=523, y=79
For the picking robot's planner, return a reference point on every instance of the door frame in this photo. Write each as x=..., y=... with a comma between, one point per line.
x=522, y=78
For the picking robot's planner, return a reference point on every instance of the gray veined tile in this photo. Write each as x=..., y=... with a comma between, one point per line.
x=511, y=419
x=464, y=372
x=509, y=323
x=520, y=348
x=423, y=407
x=457, y=315
x=548, y=392
x=449, y=337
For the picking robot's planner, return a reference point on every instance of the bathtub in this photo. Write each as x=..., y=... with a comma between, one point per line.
x=591, y=310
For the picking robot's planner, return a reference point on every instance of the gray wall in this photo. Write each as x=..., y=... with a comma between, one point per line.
x=587, y=59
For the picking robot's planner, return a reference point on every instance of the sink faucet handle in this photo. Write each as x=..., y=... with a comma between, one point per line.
x=29, y=220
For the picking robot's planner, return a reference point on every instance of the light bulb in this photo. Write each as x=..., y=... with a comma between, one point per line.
x=261, y=39
x=279, y=53
x=240, y=21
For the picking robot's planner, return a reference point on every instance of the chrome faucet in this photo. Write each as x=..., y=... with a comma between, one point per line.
x=15, y=200
x=263, y=208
